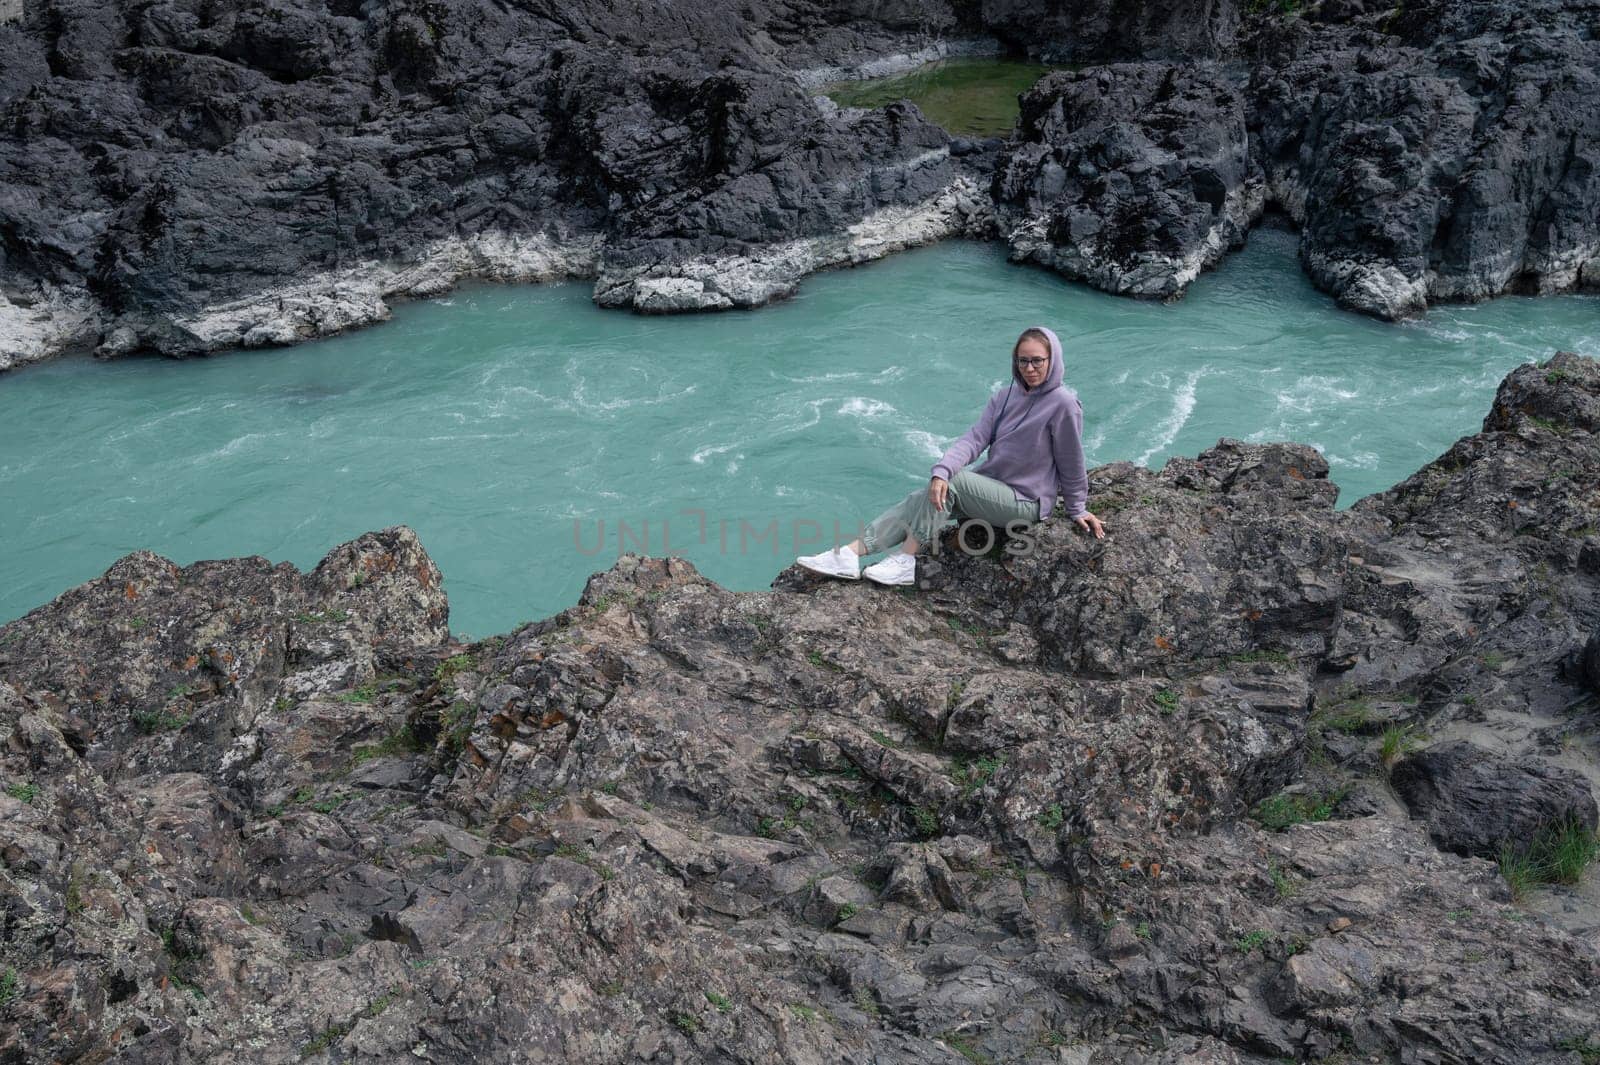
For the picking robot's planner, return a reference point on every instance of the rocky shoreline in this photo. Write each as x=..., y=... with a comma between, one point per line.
x=1227, y=788
x=186, y=176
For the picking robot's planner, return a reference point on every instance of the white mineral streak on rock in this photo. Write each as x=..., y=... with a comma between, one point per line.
x=1150, y=276
x=775, y=270
x=338, y=300
x=46, y=321
x=1377, y=288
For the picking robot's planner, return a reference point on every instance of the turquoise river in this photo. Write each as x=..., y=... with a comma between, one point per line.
x=516, y=428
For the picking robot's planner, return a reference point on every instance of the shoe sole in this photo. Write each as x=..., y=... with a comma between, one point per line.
x=828, y=572
x=891, y=584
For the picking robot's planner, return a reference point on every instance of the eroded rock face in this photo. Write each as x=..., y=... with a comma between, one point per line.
x=1042, y=808
x=257, y=174
x=1133, y=177
x=1445, y=152
x=187, y=177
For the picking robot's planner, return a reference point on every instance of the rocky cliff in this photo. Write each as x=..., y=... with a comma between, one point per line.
x=191, y=175
x=1227, y=787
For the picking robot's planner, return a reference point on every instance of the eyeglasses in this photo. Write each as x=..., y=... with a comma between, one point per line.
x=1030, y=363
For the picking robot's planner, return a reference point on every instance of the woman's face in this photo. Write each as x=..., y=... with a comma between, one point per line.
x=1033, y=362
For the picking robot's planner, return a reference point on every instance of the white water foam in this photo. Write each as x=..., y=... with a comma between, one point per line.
x=925, y=442
x=1182, y=407
x=863, y=407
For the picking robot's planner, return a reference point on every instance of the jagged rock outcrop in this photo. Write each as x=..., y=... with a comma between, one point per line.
x=185, y=177
x=1446, y=151
x=1118, y=801
x=1133, y=177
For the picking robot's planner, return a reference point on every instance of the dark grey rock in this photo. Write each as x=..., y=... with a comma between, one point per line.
x=1475, y=802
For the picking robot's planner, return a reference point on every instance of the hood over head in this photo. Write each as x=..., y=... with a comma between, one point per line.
x=1053, y=377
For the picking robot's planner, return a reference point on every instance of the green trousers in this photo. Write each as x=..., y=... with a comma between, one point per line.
x=971, y=495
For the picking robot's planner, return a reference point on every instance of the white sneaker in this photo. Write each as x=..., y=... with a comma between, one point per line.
x=840, y=562
x=898, y=568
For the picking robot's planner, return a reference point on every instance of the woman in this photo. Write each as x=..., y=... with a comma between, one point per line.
x=1033, y=429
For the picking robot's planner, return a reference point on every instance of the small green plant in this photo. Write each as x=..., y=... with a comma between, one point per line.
x=454, y=665
x=381, y=1003
x=401, y=741
x=956, y=691
x=847, y=911
x=23, y=792
x=282, y=704
x=364, y=694
x=804, y=1012
x=1051, y=817
x=1492, y=660
x=1551, y=424
x=927, y=820
x=1283, y=884
x=455, y=722
x=73, y=898
x=964, y=1046
x=330, y=804
x=151, y=722
x=1285, y=810
x=866, y=1003
x=329, y=1035
x=1251, y=941
x=1558, y=854
x=721, y=1002
x=1143, y=930
x=687, y=1023
x=816, y=659
x=433, y=848
x=882, y=740
x=1588, y=1052
x=1348, y=717
x=136, y=624
x=971, y=776
x=1166, y=700
x=8, y=986
x=1398, y=740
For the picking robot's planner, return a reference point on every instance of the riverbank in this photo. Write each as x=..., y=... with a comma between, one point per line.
x=321, y=157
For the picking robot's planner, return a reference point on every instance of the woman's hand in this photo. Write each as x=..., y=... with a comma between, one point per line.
x=1089, y=523
x=938, y=490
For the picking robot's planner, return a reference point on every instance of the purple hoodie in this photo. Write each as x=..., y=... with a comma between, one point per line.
x=1037, y=446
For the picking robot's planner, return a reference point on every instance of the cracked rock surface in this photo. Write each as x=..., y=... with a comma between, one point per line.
x=1033, y=810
